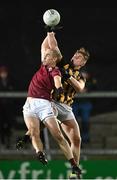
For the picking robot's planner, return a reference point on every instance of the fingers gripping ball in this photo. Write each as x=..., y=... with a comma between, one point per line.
x=51, y=17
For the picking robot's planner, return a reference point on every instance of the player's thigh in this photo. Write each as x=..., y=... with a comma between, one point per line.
x=32, y=123
x=53, y=126
x=71, y=128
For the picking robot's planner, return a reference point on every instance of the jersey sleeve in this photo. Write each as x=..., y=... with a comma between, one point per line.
x=56, y=72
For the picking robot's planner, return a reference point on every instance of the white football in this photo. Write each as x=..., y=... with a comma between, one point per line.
x=51, y=17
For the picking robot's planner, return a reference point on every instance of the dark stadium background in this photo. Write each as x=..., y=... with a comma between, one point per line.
x=21, y=34
x=22, y=31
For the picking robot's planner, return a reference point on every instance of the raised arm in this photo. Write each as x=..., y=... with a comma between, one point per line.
x=52, y=42
x=78, y=85
x=44, y=47
x=49, y=42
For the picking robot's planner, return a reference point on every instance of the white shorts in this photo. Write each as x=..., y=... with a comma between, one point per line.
x=64, y=112
x=39, y=108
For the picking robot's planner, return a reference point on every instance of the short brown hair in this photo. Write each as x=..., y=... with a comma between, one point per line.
x=84, y=52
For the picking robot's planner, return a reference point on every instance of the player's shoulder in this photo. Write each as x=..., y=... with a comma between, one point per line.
x=56, y=68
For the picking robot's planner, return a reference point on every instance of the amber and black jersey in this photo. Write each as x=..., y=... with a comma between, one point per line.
x=69, y=91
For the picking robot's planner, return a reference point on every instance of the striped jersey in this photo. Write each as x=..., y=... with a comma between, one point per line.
x=69, y=91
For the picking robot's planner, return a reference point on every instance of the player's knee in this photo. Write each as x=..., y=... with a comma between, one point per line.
x=34, y=132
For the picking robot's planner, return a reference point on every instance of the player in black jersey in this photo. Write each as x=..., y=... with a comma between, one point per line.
x=73, y=82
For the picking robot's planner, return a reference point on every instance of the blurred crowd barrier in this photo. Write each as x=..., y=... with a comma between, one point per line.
x=103, y=122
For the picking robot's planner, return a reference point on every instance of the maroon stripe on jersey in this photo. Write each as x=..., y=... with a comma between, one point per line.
x=42, y=82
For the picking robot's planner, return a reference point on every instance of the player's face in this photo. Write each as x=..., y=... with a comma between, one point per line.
x=78, y=59
x=48, y=57
x=49, y=60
